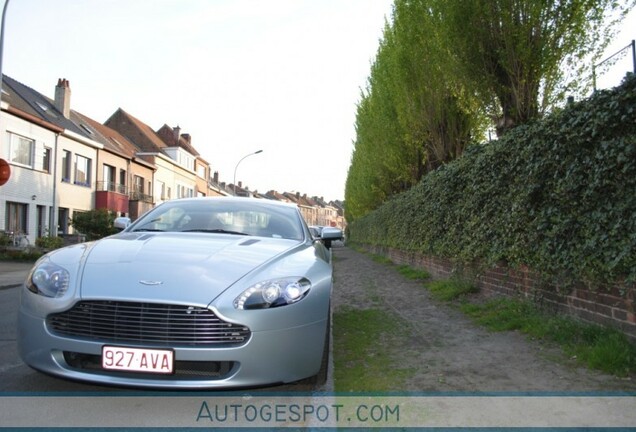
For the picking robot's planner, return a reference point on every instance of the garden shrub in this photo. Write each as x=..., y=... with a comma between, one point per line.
x=49, y=242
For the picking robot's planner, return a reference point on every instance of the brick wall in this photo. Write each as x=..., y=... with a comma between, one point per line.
x=609, y=306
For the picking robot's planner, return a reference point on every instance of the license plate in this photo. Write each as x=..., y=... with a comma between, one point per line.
x=138, y=359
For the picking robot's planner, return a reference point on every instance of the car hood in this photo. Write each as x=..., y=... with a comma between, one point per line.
x=177, y=267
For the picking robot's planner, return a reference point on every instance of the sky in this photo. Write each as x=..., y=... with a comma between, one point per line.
x=281, y=76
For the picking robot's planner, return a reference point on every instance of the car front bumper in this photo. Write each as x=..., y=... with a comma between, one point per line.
x=268, y=357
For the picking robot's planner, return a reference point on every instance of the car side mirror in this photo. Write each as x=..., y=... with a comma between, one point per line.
x=330, y=234
x=121, y=223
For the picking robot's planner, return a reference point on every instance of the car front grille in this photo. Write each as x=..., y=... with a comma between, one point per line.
x=147, y=323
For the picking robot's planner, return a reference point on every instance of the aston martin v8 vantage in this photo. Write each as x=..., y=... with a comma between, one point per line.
x=197, y=293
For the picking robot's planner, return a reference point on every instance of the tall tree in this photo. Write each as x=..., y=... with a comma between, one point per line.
x=524, y=56
x=413, y=116
x=446, y=68
x=436, y=111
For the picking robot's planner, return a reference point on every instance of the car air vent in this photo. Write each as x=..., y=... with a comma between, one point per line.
x=147, y=323
x=128, y=236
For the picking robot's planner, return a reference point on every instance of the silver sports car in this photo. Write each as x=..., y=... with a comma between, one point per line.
x=197, y=293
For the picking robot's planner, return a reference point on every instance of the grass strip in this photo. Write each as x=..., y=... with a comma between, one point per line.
x=450, y=289
x=413, y=273
x=596, y=347
x=364, y=340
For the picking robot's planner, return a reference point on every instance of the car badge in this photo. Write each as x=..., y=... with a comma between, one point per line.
x=150, y=282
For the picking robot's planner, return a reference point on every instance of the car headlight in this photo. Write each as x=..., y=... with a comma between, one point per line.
x=273, y=293
x=49, y=280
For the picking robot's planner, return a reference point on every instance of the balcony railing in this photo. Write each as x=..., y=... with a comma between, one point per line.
x=103, y=186
x=139, y=196
x=133, y=195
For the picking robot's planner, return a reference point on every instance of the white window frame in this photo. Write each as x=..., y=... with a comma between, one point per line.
x=82, y=173
x=15, y=141
x=67, y=163
x=45, y=161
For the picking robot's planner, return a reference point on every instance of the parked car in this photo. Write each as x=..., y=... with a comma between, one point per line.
x=197, y=293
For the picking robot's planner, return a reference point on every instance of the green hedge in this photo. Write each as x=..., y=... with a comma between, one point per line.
x=558, y=196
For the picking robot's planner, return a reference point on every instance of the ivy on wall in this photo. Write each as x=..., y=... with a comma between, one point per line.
x=557, y=195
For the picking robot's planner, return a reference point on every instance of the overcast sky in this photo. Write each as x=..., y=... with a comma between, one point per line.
x=282, y=76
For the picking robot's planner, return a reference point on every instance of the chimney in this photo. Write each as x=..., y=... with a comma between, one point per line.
x=63, y=97
x=187, y=138
x=177, y=132
x=216, y=177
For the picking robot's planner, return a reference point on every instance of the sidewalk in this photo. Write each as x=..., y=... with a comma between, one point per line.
x=13, y=274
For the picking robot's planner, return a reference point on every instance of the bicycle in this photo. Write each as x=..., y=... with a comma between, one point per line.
x=18, y=239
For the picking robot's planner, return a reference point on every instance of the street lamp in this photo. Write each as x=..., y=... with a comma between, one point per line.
x=4, y=15
x=236, y=167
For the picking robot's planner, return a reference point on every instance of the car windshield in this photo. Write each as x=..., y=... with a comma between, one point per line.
x=223, y=216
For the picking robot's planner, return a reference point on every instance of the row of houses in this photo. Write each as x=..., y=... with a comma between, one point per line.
x=61, y=162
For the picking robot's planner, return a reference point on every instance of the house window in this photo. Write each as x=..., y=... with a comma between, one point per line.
x=138, y=184
x=41, y=228
x=21, y=150
x=201, y=171
x=62, y=220
x=160, y=187
x=185, y=160
x=66, y=166
x=184, y=192
x=46, y=160
x=109, y=178
x=122, y=181
x=17, y=217
x=82, y=170
x=137, y=189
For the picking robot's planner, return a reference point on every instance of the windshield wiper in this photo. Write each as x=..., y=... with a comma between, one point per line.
x=141, y=228
x=218, y=230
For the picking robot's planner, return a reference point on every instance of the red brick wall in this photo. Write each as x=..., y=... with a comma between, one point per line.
x=607, y=306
